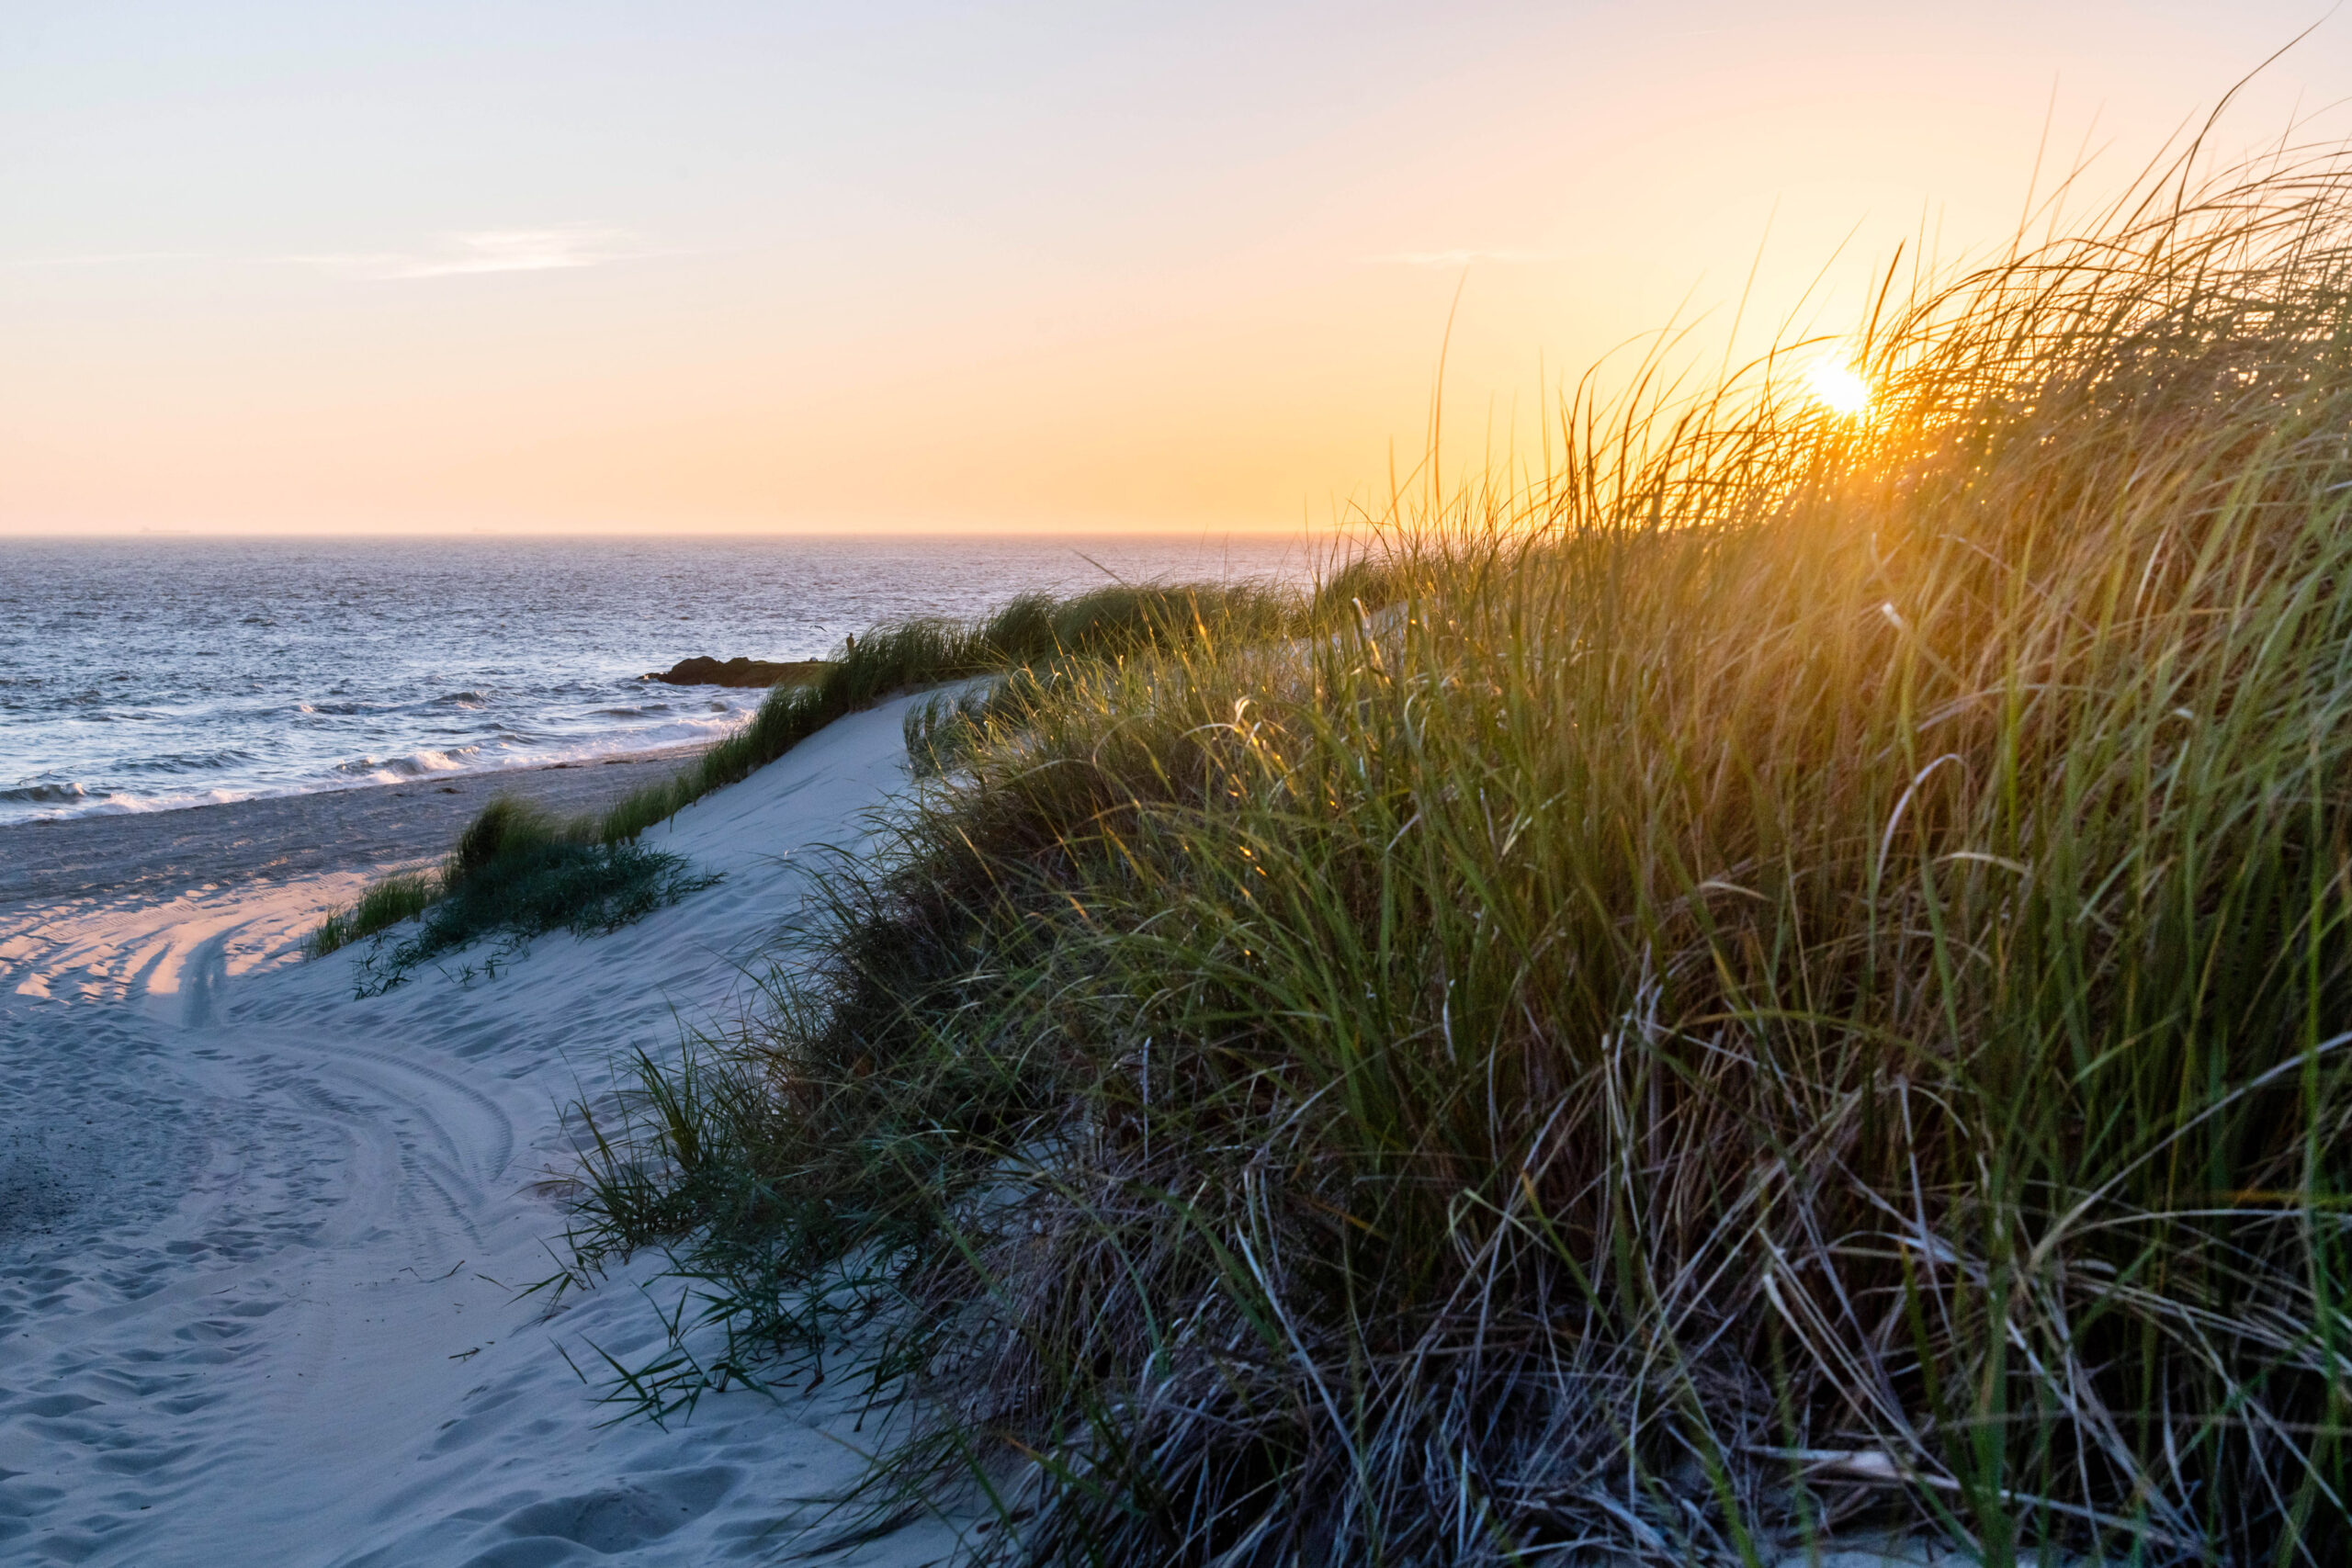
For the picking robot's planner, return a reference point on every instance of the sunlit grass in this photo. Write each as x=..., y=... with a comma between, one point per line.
x=1787, y=979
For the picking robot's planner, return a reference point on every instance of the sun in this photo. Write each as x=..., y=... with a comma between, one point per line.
x=1839, y=388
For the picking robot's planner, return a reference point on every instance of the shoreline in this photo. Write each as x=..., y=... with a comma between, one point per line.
x=147, y=903
x=279, y=837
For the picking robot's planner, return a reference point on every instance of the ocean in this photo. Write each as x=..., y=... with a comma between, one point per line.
x=138, y=674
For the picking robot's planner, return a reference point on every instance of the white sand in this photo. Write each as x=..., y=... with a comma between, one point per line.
x=258, y=1239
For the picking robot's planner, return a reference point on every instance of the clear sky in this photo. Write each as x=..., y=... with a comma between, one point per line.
x=694, y=264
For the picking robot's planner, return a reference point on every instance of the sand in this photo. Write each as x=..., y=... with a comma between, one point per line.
x=102, y=898
x=260, y=1240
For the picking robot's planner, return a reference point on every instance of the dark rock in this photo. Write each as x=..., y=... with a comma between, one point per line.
x=704, y=671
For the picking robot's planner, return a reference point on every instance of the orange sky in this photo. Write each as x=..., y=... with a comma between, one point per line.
x=733, y=267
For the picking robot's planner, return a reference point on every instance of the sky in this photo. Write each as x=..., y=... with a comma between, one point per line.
x=906, y=265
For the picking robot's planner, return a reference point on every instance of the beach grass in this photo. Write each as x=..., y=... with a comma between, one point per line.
x=1783, y=978
x=383, y=904
x=514, y=874
x=529, y=890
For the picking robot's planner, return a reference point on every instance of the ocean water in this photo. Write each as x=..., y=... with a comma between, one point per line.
x=140, y=674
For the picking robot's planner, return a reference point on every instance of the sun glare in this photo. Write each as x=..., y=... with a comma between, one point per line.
x=1839, y=388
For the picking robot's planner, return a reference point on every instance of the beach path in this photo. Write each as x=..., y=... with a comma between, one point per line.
x=261, y=1239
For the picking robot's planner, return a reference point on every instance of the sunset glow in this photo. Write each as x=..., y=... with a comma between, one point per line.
x=914, y=266
x=1839, y=388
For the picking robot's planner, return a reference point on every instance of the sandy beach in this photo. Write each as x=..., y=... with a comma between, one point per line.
x=107, y=898
x=261, y=1242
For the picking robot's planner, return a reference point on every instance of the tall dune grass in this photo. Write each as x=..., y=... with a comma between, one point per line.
x=1793, y=982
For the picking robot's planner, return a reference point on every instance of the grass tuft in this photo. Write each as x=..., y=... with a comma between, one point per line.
x=515, y=872
x=507, y=826
x=529, y=888
x=384, y=904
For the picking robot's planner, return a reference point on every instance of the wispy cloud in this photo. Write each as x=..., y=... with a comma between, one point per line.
x=108, y=258
x=491, y=250
x=1462, y=258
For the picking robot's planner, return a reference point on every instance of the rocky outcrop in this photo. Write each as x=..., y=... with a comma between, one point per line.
x=704, y=671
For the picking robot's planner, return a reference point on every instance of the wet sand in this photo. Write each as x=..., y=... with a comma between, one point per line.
x=285, y=837
x=108, y=908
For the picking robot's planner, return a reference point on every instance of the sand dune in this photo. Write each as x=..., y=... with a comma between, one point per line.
x=259, y=1240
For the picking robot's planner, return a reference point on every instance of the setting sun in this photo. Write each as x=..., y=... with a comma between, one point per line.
x=1839, y=388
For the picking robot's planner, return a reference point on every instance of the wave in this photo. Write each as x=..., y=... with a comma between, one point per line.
x=415, y=766
x=190, y=761
x=61, y=802
x=120, y=803
x=45, y=795
x=474, y=746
